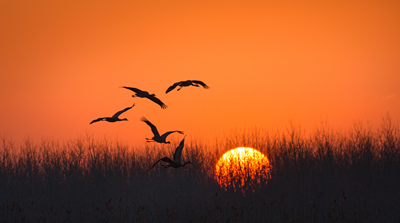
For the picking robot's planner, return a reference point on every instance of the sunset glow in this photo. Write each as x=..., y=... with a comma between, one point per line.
x=305, y=61
x=242, y=168
x=284, y=111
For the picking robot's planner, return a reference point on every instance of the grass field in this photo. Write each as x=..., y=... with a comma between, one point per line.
x=321, y=176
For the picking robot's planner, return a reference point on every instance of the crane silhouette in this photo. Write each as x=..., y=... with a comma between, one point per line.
x=176, y=163
x=187, y=83
x=144, y=94
x=114, y=118
x=157, y=137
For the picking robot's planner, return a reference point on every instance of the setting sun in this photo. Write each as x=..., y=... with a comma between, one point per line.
x=242, y=168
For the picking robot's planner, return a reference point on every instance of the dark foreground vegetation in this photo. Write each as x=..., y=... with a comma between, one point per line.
x=322, y=176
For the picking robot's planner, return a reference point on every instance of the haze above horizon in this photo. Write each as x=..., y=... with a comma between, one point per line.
x=266, y=63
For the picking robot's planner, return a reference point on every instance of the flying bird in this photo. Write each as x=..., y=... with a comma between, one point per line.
x=157, y=137
x=145, y=94
x=186, y=84
x=114, y=118
x=176, y=163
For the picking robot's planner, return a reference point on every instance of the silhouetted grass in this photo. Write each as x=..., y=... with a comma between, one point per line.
x=323, y=176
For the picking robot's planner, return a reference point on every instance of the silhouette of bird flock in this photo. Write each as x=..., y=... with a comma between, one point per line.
x=176, y=162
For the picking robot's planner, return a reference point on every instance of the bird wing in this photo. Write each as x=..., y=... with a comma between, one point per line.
x=122, y=111
x=165, y=159
x=153, y=127
x=158, y=101
x=173, y=87
x=137, y=91
x=99, y=119
x=165, y=135
x=201, y=83
x=178, y=151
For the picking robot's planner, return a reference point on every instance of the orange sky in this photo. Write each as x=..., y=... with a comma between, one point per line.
x=62, y=63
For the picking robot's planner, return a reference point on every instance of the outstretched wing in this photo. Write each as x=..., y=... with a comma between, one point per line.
x=153, y=127
x=122, y=111
x=137, y=91
x=178, y=151
x=165, y=135
x=201, y=83
x=172, y=87
x=158, y=101
x=96, y=120
x=165, y=159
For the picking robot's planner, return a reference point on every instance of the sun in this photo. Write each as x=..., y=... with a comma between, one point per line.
x=242, y=168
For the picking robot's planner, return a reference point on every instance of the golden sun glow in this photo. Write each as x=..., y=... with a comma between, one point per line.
x=242, y=168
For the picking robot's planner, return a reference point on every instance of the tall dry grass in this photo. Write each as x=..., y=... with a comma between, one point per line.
x=322, y=176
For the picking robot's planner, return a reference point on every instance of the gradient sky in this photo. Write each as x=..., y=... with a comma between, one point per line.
x=267, y=62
